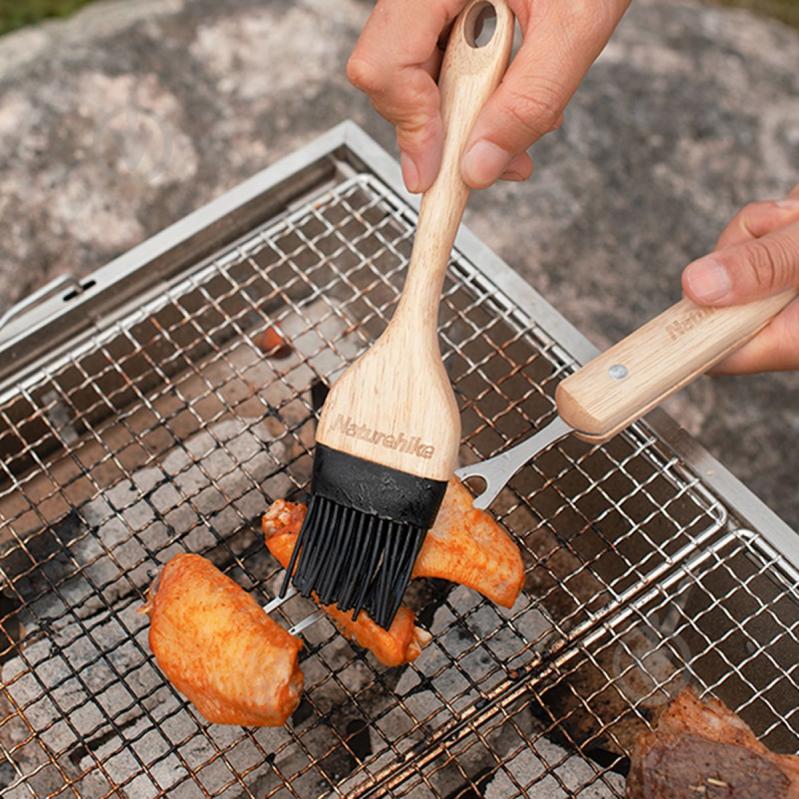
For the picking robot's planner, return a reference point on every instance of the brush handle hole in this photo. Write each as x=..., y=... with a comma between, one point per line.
x=480, y=24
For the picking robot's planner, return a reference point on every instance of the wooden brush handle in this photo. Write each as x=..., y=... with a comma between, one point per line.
x=395, y=406
x=632, y=377
x=469, y=75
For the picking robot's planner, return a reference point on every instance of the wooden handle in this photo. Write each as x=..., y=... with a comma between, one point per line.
x=632, y=377
x=395, y=405
x=469, y=75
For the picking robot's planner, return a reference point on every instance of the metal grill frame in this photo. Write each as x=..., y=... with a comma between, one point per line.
x=143, y=274
x=146, y=268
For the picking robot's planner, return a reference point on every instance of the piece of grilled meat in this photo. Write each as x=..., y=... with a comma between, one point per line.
x=702, y=750
x=217, y=646
x=466, y=546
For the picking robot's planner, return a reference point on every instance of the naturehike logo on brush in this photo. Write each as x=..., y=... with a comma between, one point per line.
x=679, y=327
x=401, y=442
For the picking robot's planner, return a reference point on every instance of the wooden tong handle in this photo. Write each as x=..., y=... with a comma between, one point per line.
x=469, y=74
x=632, y=377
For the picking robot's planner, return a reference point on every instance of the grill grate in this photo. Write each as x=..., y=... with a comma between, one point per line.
x=170, y=430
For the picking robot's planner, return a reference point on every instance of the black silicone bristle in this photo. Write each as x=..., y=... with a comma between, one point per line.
x=362, y=533
x=362, y=564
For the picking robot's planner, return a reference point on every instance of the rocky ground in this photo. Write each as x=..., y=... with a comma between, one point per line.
x=123, y=118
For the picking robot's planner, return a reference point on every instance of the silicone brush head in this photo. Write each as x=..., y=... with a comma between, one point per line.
x=363, y=530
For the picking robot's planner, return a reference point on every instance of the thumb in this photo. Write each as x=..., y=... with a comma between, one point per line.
x=745, y=272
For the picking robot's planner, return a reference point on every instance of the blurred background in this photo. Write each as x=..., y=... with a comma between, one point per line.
x=119, y=117
x=17, y=13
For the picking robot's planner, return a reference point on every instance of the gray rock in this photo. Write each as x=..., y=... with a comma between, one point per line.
x=122, y=119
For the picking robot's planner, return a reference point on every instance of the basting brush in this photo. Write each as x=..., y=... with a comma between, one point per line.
x=388, y=436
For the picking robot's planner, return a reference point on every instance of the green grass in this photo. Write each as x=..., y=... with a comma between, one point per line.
x=785, y=10
x=17, y=13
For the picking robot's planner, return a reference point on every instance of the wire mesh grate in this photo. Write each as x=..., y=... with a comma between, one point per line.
x=171, y=430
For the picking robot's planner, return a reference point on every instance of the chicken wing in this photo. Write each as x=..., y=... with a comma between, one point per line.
x=466, y=546
x=401, y=643
x=216, y=645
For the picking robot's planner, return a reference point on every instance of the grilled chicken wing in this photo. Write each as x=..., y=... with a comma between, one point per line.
x=217, y=646
x=400, y=644
x=702, y=749
x=466, y=546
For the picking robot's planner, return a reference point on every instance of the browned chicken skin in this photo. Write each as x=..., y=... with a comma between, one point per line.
x=217, y=646
x=466, y=546
x=400, y=644
x=237, y=666
x=702, y=749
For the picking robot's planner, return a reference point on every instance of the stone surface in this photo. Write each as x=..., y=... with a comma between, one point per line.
x=120, y=120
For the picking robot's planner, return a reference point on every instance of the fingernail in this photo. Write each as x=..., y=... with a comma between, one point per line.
x=410, y=173
x=707, y=280
x=483, y=163
x=791, y=203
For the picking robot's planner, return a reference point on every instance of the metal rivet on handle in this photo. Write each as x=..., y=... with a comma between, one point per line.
x=618, y=371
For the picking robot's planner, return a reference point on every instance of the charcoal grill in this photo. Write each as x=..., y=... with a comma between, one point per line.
x=139, y=418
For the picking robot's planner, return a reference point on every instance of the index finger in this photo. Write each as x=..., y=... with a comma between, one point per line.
x=394, y=62
x=402, y=33
x=759, y=219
